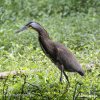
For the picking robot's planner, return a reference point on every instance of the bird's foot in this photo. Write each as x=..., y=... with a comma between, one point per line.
x=60, y=79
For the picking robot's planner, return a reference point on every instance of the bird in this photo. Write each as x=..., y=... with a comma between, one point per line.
x=61, y=56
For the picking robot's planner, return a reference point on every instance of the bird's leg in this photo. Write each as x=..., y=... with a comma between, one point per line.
x=61, y=68
x=66, y=77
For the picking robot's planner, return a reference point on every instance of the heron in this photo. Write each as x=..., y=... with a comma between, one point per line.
x=61, y=56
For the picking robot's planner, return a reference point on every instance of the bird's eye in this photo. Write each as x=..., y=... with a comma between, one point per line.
x=30, y=27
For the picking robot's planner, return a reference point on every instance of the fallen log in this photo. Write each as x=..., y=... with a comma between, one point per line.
x=6, y=74
x=16, y=72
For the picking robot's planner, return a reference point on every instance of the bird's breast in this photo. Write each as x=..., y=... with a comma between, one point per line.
x=48, y=48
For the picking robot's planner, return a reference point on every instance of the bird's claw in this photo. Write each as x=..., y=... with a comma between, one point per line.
x=61, y=79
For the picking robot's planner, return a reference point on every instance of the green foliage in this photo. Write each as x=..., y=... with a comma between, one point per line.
x=37, y=8
x=75, y=23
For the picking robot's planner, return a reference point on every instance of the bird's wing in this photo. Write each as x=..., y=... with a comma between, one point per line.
x=67, y=59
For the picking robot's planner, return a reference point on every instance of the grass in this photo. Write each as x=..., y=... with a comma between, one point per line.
x=80, y=33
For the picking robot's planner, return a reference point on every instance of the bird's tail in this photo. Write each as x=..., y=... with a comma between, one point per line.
x=82, y=73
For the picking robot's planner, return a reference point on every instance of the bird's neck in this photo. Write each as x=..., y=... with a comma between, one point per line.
x=43, y=34
x=41, y=31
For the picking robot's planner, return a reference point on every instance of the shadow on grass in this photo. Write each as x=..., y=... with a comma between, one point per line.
x=21, y=88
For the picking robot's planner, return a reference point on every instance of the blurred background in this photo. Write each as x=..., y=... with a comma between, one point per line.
x=75, y=23
x=15, y=9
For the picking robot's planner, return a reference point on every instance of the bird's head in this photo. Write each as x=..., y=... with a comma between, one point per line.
x=35, y=26
x=31, y=24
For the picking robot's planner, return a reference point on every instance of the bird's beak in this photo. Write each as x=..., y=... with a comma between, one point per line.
x=22, y=29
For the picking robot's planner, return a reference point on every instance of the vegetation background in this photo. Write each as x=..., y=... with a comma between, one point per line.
x=75, y=23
